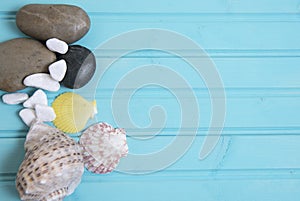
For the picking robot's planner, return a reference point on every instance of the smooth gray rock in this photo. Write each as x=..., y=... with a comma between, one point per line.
x=43, y=21
x=19, y=58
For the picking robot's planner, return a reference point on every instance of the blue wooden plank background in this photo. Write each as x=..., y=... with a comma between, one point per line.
x=255, y=46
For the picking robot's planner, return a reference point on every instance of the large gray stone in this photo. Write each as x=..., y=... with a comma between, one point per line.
x=19, y=58
x=43, y=21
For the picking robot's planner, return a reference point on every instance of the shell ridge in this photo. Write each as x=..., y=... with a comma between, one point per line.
x=72, y=112
x=103, y=147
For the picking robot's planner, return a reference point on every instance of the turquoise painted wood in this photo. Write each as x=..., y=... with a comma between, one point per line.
x=256, y=49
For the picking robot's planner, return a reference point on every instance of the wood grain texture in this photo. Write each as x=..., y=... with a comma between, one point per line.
x=256, y=49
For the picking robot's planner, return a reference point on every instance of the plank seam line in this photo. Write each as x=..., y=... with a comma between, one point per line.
x=184, y=16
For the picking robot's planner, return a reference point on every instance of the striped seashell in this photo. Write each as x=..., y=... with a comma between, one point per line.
x=52, y=167
x=103, y=147
x=72, y=112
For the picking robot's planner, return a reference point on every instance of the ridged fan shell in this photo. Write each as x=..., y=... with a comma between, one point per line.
x=103, y=147
x=72, y=112
x=52, y=167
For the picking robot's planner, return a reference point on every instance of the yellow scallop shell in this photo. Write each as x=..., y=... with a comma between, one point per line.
x=72, y=112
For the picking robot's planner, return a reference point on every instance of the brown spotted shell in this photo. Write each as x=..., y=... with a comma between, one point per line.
x=103, y=147
x=52, y=167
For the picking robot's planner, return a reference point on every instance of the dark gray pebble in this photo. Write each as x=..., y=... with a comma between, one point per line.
x=81, y=66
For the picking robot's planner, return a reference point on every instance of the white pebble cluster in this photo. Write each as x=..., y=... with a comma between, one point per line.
x=57, y=70
x=36, y=107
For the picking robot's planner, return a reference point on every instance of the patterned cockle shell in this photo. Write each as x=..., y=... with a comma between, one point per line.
x=52, y=167
x=103, y=147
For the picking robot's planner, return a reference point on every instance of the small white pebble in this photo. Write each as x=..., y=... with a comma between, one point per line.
x=44, y=113
x=56, y=45
x=58, y=70
x=38, y=97
x=14, y=98
x=42, y=81
x=28, y=116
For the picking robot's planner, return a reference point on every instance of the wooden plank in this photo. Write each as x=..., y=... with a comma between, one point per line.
x=265, y=72
x=232, y=152
x=191, y=188
x=259, y=33
x=242, y=115
x=213, y=6
x=210, y=35
x=260, y=112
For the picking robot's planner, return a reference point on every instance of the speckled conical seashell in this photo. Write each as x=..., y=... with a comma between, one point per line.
x=103, y=146
x=72, y=112
x=52, y=167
